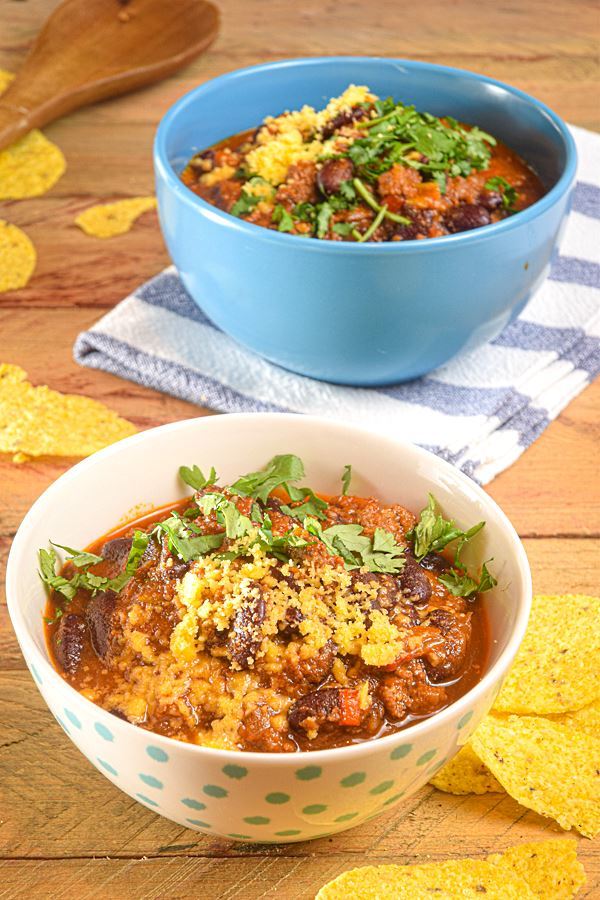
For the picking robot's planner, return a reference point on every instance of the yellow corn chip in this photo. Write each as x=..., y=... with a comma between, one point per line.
x=5, y=79
x=556, y=668
x=17, y=257
x=586, y=719
x=463, y=878
x=37, y=421
x=550, y=868
x=466, y=774
x=545, y=766
x=109, y=219
x=30, y=166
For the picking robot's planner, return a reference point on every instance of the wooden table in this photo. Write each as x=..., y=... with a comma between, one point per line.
x=64, y=829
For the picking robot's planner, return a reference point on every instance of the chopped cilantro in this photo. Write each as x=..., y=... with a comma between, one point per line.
x=346, y=478
x=281, y=469
x=325, y=211
x=459, y=583
x=509, y=193
x=344, y=229
x=195, y=477
x=283, y=217
x=380, y=553
x=432, y=532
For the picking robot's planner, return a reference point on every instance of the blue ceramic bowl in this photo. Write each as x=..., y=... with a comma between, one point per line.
x=362, y=314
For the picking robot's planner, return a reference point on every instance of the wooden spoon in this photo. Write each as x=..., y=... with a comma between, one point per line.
x=89, y=50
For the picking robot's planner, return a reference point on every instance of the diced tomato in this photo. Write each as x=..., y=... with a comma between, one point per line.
x=349, y=706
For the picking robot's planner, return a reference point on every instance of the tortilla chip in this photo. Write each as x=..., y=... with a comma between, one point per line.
x=586, y=719
x=30, y=166
x=37, y=421
x=556, y=668
x=109, y=219
x=550, y=868
x=5, y=79
x=546, y=766
x=466, y=774
x=445, y=881
x=17, y=257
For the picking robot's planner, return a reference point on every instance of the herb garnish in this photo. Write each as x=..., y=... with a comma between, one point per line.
x=433, y=533
x=461, y=584
x=283, y=217
x=186, y=539
x=82, y=560
x=346, y=478
x=195, y=477
x=379, y=553
x=504, y=187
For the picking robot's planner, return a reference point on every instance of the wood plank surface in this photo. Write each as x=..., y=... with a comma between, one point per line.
x=64, y=829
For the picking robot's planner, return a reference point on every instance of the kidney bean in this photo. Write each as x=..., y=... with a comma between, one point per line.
x=433, y=562
x=466, y=217
x=99, y=617
x=117, y=550
x=446, y=661
x=333, y=173
x=414, y=582
x=315, y=709
x=343, y=118
x=69, y=640
x=490, y=199
x=244, y=637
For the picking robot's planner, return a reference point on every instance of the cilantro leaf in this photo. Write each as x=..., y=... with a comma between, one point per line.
x=504, y=187
x=48, y=574
x=380, y=553
x=312, y=506
x=346, y=478
x=283, y=217
x=183, y=538
x=459, y=583
x=139, y=544
x=280, y=470
x=323, y=217
x=80, y=558
x=227, y=514
x=432, y=532
x=195, y=477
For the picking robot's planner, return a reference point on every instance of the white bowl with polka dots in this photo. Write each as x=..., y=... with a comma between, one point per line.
x=260, y=796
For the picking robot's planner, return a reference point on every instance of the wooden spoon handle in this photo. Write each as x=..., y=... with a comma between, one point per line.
x=88, y=51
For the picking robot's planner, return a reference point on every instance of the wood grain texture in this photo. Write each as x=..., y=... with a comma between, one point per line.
x=64, y=829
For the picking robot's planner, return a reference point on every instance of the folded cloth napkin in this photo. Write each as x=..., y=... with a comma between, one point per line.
x=480, y=411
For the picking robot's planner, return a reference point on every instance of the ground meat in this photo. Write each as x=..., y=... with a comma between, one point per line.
x=408, y=692
x=264, y=729
x=300, y=185
x=399, y=181
x=312, y=669
x=315, y=711
x=445, y=661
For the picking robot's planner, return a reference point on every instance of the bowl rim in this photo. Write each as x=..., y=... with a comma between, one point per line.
x=34, y=656
x=164, y=168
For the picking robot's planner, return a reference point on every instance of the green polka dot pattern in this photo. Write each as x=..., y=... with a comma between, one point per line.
x=308, y=773
x=354, y=779
x=277, y=797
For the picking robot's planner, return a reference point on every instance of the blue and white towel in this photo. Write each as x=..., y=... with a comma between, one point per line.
x=480, y=411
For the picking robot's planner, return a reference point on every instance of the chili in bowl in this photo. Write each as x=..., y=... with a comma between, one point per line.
x=273, y=656
x=369, y=270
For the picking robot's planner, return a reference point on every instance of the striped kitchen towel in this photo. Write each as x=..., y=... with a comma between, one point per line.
x=479, y=412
